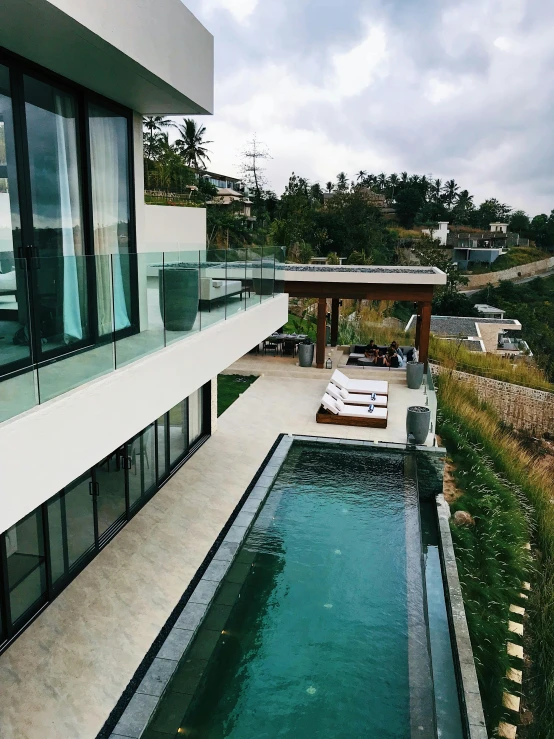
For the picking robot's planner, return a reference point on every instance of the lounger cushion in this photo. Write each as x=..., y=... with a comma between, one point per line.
x=362, y=412
x=340, y=405
x=367, y=400
x=344, y=393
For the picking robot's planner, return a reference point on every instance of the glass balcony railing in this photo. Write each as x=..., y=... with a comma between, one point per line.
x=67, y=320
x=431, y=399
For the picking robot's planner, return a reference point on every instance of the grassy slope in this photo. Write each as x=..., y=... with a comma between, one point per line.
x=515, y=257
x=507, y=486
x=229, y=388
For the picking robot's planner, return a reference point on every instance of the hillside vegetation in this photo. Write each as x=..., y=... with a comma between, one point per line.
x=510, y=493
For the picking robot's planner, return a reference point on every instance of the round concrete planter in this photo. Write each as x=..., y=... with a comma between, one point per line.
x=306, y=354
x=178, y=290
x=414, y=374
x=263, y=286
x=418, y=419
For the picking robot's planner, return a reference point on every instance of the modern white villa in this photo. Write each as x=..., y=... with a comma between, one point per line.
x=124, y=518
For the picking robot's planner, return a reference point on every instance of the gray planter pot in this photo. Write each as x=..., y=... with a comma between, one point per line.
x=418, y=419
x=414, y=374
x=306, y=354
x=178, y=291
x=263, y=286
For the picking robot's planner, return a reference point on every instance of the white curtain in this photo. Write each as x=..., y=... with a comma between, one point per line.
x=68, y=183
x=106, y=200
x=195, y=415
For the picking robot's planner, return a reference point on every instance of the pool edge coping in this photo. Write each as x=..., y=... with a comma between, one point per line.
x=472, y=708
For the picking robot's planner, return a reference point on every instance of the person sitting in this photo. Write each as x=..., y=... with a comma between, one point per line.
x=372, y=351
x=395, y=355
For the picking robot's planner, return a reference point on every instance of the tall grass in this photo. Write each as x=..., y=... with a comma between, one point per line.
x=532, y=484
x=451, y=354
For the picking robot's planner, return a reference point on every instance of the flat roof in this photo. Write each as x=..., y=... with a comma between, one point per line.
x=466, y=326
x=351, y=273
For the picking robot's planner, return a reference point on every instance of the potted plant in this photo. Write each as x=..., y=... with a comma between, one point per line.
x=418, y=420
x=414, y=374
x=179, y=293
x=306, y=353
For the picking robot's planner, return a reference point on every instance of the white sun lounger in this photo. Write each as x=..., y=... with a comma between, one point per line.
x=351, y=415
x=356, y=398
x=381, y=387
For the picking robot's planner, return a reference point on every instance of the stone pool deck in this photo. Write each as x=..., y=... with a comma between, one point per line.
x=64, y=675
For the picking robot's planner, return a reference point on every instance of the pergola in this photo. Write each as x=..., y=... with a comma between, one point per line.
x=334, y=282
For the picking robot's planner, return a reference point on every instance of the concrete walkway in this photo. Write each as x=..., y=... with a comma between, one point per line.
x=64, y=675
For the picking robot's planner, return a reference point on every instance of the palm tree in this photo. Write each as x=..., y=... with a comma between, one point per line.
x=404, y=178
x=394, y=181
x=362, y=174
x=192, y=146
x=436, y=189
x=450, y=190
x=342, y=182
x=382, y=181
x=154, y=125
x=329, y=187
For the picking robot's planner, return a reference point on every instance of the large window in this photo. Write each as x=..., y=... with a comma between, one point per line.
x=44, y=551
x=66, y=276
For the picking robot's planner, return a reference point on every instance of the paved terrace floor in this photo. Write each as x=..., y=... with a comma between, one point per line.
x=63, y=676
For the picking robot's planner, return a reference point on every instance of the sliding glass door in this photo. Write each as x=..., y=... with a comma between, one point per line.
x=15, y=351
x=59, y=282
x=67, y=244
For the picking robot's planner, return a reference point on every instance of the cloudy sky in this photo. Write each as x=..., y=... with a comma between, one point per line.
x=456, y=88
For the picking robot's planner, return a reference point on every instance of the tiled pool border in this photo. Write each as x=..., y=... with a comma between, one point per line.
x=138, y=703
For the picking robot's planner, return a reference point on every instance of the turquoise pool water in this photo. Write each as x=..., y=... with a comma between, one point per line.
x=319, y=630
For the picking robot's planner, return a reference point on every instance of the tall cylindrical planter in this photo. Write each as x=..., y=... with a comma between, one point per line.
x=178, y=290
x=306, y=354
x=418, y=420
x=263, y=286
x=414, y=374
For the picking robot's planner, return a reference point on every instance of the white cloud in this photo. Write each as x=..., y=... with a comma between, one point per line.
x=459, y=88
x=355, y=69
x=241, y=10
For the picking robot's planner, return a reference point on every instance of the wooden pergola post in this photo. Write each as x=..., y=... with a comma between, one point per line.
x=321, y=333
x=424, y=332
x=335, y=303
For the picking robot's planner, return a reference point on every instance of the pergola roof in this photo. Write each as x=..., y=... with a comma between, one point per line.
x=370, y=275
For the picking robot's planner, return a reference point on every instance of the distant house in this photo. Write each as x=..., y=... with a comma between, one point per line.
x=377, y=199
x=486, y=335
x=471, y=248
x=489, y=311
x=440, y=233
x=231, y=190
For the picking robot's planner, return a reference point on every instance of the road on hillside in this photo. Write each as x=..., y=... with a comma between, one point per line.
x=519, y=281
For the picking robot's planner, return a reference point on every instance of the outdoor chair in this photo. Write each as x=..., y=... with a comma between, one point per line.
x=271, y=346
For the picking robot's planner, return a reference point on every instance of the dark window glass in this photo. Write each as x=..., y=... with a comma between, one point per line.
x=26, y=564
x=61, y=282
x=162, y=435
x=111, y=502
x=178, y=433
x=70, y=526
x=109, y=158
x=142, y=472
x=13, y=286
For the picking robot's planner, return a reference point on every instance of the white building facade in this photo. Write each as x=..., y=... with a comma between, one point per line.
x=114, y=318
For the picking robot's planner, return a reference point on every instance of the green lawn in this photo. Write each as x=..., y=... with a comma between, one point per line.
x=230, y=387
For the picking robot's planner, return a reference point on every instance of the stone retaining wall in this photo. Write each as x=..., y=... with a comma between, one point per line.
x=524, y=270
x=521, y=407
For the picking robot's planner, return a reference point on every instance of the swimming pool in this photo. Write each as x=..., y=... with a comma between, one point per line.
x=320, y=624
